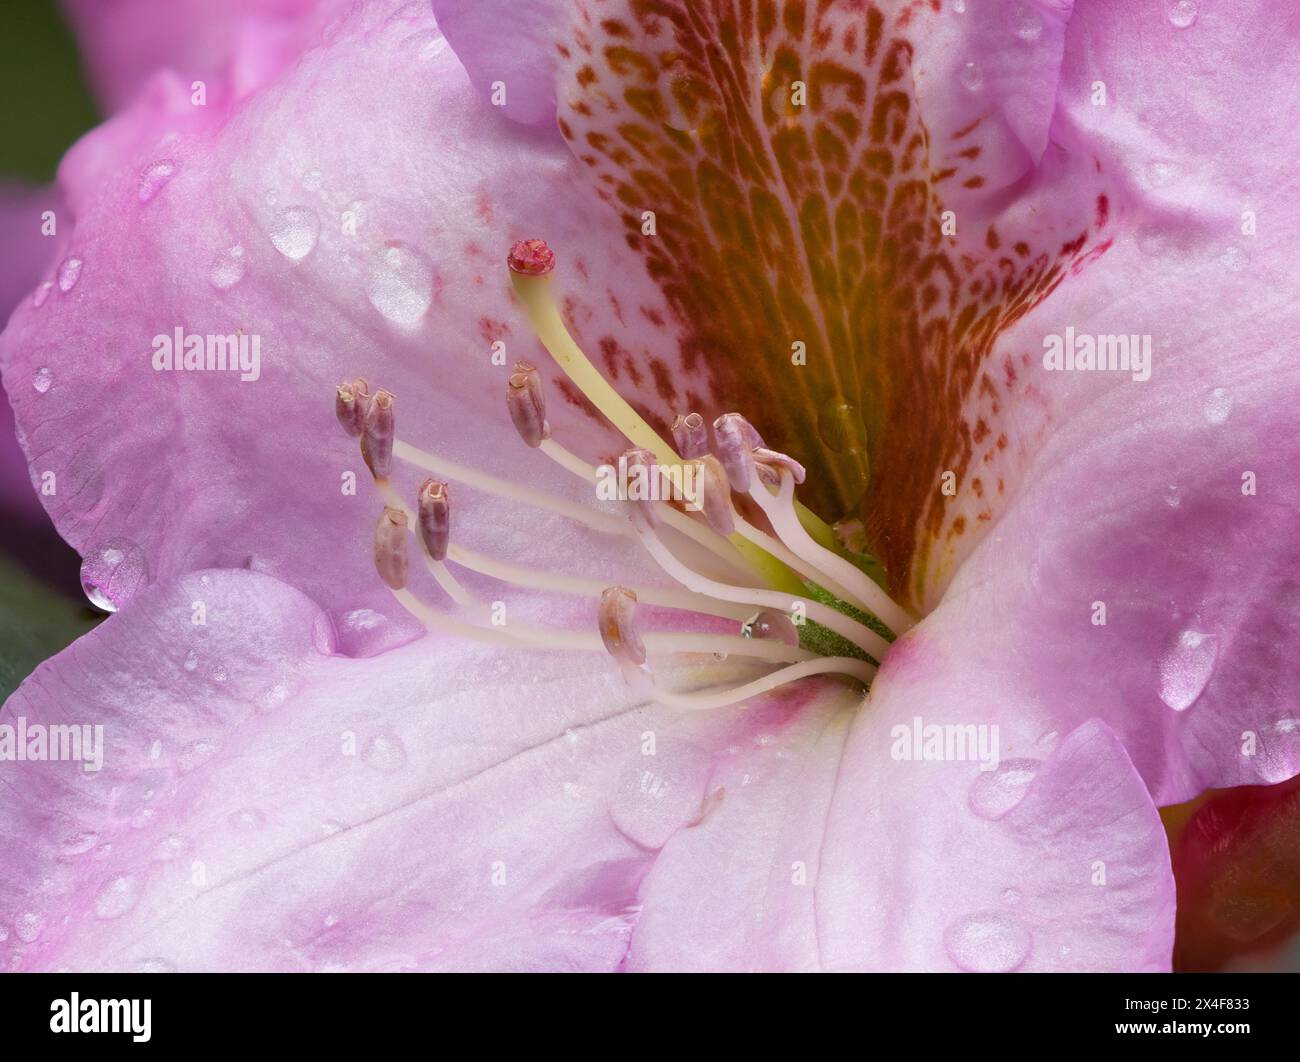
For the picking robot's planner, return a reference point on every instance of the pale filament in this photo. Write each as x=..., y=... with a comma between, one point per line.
x=822, y=665
x=863, y=637
x=519, y=636
x=668, y=597
x=678, y=521
x=857, y=588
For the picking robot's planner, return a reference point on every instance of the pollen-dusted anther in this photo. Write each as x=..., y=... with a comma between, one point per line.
x=640, y=471
x=527, y=403
x=735, y=440
x=377, y=438
x=351, y=403
x=390, y=548
x=434, y=519
x=769, y=464
x=531, y=258
x=714, y=494
x=771, y=625
x=617, y=621
x=690, y=435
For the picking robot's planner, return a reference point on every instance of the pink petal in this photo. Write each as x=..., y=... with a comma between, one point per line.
x=179, y=210
x=233, y=47
x=264, y=804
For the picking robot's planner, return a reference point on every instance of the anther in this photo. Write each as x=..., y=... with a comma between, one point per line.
x=390, y=548
x=715, y=495
x=642, y=496
x=769, y=463
x=377, y=438
x=772, y=626
x=351, y=404
x=434, y=519
x=527, y=403
x=690, y=435
x=531, y=258
x=616, y=620
x=735, y=440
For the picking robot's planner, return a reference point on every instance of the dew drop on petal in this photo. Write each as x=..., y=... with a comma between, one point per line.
x=959, y=6
x=996, y=792
x=42, y=378
x=987, y=942
x=117, y=897
x=1173, y=496
x=154, y=179
x=228, y=268
x=28, y=926
x=385, y=752
x=111, y=576
x=191, y=660
x=1026, y=23
x=1218, y=404
x=401, y=283
x=1186, y=667
x=42, y=293
x=1182, y=13
x=658, y=795
x=294, y=232
x=69, y=273
x=972, y=77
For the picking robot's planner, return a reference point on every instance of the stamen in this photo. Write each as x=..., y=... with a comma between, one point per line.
x=645, y=511
x=736, y=439
x=769, y=463
x=449, y=583
x=690, y=435
x=860, y=635
x=377, y=436
x=666, y=597
x=435, y=518
x=715, y=496
x=351, y=404
x=617, y=623
x=860, y=589
x=390, y=548
x=606, y=523
x=822, y=665
x=527, y=403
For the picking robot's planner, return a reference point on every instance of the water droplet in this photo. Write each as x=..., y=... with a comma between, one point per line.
x=658, y=795
x=42, y=378
x=996, y=792
x=959, y=6
x=1182, y=13
x=154, y=179
x=1186, y=668
x=69, y=273
x=191, y=660
x=1026, y=23
x=680, y=92
x=363, y=619
x=111, y=576
x=273, y=698
x=1218, y=404
x=385, y=752
x=156, y=749
x=313, y=180
x=987, y=943
x=401, y=283
x=28, y=926
x=228, y=268
x=117, y=897
x=771, y=625
x=219, y=674
x=972, y=77
x=1011, y=897
x=42, y=293
x=294, y=232
x=1173, y=496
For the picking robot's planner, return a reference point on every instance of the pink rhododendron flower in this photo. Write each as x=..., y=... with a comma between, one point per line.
x=895, y=238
